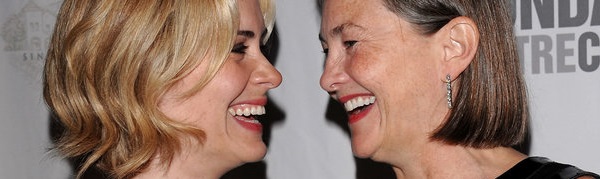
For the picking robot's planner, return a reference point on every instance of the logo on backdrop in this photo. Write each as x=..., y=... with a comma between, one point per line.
x=26, y=34
x=558, y=36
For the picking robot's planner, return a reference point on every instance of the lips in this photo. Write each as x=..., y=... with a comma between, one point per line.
x=357, y=106
x=246, y=112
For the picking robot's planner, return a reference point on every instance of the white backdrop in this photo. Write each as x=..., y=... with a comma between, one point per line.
x=560, y=47
x=559, y=44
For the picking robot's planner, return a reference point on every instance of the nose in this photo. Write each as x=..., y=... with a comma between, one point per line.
x=266, y=75
x=333, y=76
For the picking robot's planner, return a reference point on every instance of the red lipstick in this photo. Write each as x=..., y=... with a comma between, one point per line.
x=359, y=113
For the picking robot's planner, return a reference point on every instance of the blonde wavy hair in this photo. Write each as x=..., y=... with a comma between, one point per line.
x=110, y=61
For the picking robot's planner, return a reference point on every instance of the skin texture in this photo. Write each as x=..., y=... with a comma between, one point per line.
x=389, y=61
x=373, y=52
x=242, y=82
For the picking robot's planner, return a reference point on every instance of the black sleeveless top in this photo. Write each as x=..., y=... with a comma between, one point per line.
x=543, y=168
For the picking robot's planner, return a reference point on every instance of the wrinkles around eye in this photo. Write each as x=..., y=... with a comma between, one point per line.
x=350, y=43
x=347, y=44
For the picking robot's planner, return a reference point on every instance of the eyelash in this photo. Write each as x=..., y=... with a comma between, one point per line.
x=350, y=43
x=239, y=48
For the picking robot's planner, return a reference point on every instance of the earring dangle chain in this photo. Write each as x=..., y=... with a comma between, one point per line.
x=449, y=91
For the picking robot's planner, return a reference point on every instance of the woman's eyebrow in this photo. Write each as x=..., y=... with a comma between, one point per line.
x=246, y=33
x=251, y=34
x=340, y=29
x=336, y=31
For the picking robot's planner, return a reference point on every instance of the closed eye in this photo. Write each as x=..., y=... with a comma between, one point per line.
x=350, y=43
x=239, y=48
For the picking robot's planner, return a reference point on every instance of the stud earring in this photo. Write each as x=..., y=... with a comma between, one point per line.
x=449, y=91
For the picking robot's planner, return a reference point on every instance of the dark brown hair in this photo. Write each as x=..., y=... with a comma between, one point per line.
x=490, y=108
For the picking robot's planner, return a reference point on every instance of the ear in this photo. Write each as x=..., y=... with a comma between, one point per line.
x=460, y=40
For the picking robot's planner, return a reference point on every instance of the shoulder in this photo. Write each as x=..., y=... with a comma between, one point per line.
x=541, y=167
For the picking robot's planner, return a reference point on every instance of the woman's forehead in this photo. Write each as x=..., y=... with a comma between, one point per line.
x=352, y=15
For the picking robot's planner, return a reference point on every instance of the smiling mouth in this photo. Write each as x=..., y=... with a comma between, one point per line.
x=356, y=105
x=247, y=113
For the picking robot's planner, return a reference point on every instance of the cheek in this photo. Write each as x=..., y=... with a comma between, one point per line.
x=372, y=67
x=230, y=82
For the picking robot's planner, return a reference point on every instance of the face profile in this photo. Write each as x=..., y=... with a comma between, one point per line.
x=226, y=107
x=168, y=89
x=382, y=70
x=431, y=87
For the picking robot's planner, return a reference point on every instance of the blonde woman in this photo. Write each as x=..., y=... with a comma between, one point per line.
x=160, y=89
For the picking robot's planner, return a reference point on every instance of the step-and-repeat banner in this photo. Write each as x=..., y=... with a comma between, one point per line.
x=25, y=28
x=559, y=42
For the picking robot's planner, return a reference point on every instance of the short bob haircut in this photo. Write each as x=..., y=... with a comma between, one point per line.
x=491, y=107
x=110, y=61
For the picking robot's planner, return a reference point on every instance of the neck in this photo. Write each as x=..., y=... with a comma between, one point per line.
x=187, y=164
x=446, y=161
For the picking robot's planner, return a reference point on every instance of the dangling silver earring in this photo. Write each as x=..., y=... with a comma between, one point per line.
x=449, y=90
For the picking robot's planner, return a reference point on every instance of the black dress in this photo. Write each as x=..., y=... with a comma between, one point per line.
x=543, y=168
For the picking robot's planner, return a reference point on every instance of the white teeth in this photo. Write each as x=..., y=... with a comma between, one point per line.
x=247, y=111
x=359, y=102
x=250, y=121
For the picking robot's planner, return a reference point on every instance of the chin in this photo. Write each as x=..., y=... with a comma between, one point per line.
x=365, y=141
x=254, y=154
x=361, y=149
